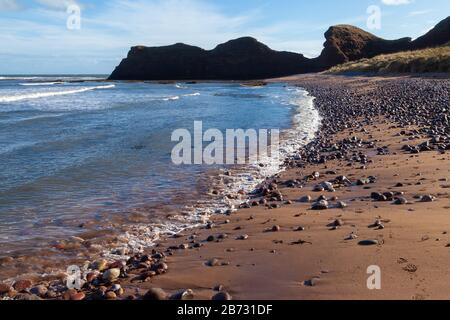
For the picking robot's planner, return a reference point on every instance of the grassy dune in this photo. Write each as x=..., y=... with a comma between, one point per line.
x=420, y=61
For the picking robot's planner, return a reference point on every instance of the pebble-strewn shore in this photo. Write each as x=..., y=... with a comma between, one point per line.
x=306, y=226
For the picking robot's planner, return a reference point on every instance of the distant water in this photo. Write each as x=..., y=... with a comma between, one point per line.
x=80, y=157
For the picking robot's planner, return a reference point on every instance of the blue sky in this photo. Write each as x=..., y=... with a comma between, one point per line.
x=35, y=39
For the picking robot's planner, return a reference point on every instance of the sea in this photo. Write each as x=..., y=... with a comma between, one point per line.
x=86, y=168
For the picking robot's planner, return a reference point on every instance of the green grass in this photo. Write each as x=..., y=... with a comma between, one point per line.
x=433, y=60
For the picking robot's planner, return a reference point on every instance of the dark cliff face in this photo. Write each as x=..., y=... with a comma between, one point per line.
x=438, y=36
x=240, y=59
x=248, y=59
x=347, y=43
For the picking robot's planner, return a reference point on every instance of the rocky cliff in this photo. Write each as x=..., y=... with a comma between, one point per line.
x=243, y=59
x=247, y=59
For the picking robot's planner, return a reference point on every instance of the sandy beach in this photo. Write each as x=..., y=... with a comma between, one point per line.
x=371, y=190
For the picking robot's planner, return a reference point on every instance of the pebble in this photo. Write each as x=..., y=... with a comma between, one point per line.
x=428, y=198
x=111, y=274
x=39, y=290
x=110, y=295
x=222, y=296
x=213, y=262
x=243, y=237
x=183, y=295
x=155, y=294
x=320, y=205
x=100, y=265
x=305, y=199
x=276, y=228
x=400, y=201
x=4, y=288
x=369, y=243
x=22, y=285
x=338, y=223
x=311, y=282
x=341, y=205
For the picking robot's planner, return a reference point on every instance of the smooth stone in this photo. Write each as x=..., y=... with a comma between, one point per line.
x=213, y=262
x=276, y=228
x=4, y=288
x=111, y=274
x=22, y=285
x=428, y=198
x=222, y=296
x=341, y=205
x=305, y=199
x=110, y=295
x=183, y=295
x=369, y=243
x=100, y=265
x=320, y=205
x=155, y=294
x=39, y=290
x=400, y=201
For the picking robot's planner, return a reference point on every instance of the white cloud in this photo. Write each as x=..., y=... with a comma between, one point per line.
x=419, y=13
x=56, y=4
x=396, y=2
x=10, y=5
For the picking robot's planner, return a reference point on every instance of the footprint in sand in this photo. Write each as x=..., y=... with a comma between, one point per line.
x=411, y=268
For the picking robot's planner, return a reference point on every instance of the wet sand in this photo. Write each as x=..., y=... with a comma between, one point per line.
x=389, y=196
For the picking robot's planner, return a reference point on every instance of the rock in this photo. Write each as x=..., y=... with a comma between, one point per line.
x=299, y=229
x=305, y=199
x=320, y=205
x=243, y=237
x=211, y=238
x=39, y=290
x=22, y=285
x=91, y=276
x=110, y=295
x=26, y=297
x=213, y=262
x=341, y=205
x=222, y=296
x=78, y=296
x=100, y=265
x=311, y=282
x=183, y=295
x=369, y=243
x=276, y=228
x=400, y=201
x=351, y=236
x=155, y=294
x=218, y=288
x=338, y=223
x=4, y=288
x=111, y=275
x=428, y=198
x=73, y=295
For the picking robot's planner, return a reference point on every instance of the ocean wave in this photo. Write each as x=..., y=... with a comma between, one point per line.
x=171, y=98
x=41, y=83
x=38, y=95
x=179, y=86
x=192, y=94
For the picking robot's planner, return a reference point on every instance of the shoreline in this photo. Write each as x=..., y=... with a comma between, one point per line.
x=269, y=261
x=196, y=214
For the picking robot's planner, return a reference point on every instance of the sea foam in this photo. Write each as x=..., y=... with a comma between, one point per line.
x=37, y=95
